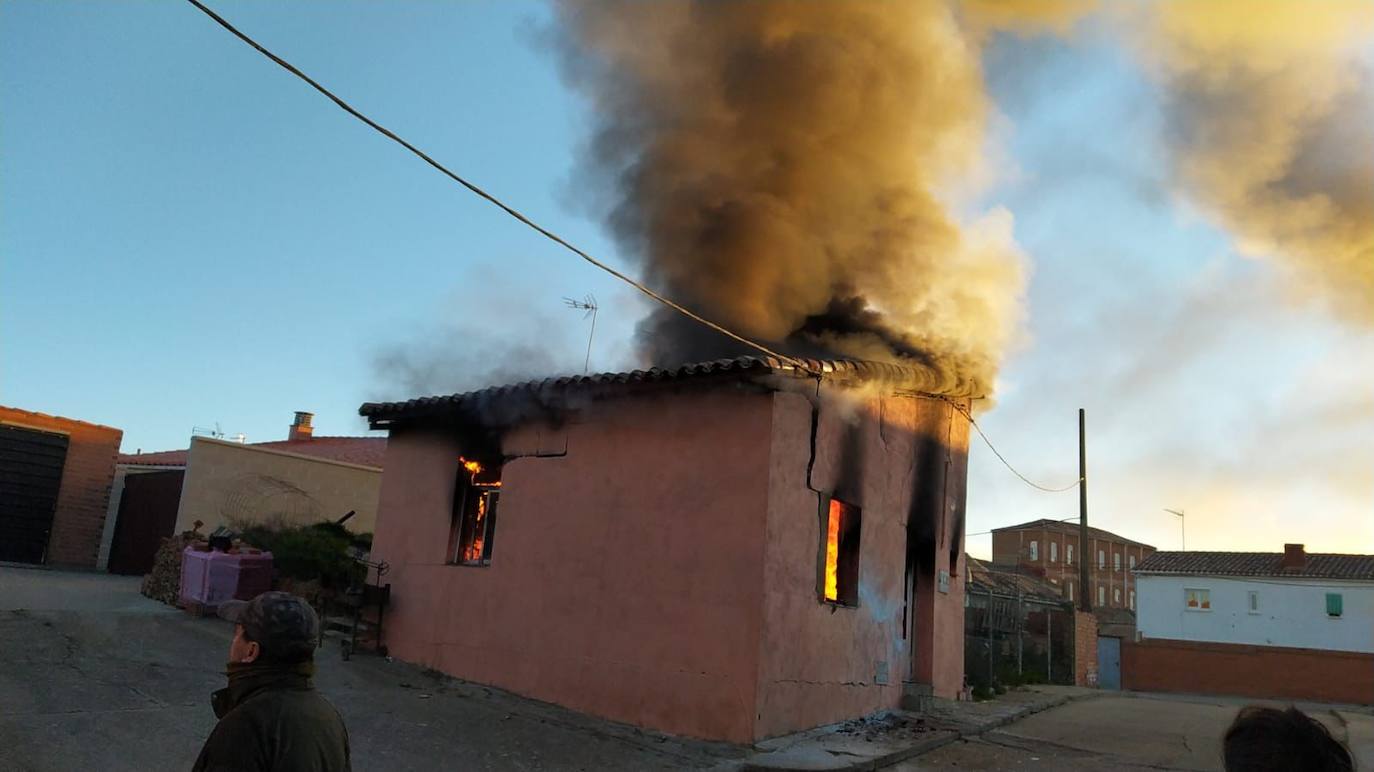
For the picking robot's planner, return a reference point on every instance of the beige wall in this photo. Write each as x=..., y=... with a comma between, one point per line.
x=227, y=480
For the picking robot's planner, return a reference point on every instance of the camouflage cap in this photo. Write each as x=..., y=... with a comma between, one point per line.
x=284, y=625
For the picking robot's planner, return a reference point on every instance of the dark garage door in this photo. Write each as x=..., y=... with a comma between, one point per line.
x=30, y=476
x=147, y=513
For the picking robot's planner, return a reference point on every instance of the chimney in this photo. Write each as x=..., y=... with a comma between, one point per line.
x=300, y=428
x=1294, y=558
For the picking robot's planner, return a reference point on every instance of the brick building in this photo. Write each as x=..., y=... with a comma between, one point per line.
x=55, y=476
x=1051, y=548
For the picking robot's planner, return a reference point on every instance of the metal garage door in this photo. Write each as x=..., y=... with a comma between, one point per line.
x=147, y=513
x=1109, y=663
x=30, y=476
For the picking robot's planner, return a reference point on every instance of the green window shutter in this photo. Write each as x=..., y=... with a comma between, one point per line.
x=1333, y=604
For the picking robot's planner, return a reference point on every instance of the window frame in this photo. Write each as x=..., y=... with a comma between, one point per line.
x=1068, y=554
x=1054, y=552
x=1116, y=562
x=848, y=552
x=1101, y=560
x=1132, y=606
x=470, y=511
x=1204, y=599
x=1034, y=550
x=1252, y=601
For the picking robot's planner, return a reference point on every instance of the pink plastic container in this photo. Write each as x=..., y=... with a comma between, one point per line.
x=210, y=578
x=254, y=575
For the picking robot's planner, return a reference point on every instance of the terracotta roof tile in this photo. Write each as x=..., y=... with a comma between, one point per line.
x=912, y=376
x=1317, y=566
x=1007, y=580
x=366, y=451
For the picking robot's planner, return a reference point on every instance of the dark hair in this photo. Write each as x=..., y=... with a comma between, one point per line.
x=1263, y=739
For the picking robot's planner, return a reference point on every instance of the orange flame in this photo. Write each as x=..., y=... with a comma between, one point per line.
x=472, y=466
x=832, y=551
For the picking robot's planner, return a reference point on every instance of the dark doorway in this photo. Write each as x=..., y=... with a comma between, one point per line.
x=30, y=476
x=147, y=513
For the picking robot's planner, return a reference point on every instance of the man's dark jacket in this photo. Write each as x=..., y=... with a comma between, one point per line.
x=272, y=719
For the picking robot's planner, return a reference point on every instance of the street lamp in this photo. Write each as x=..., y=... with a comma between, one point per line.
x=1182, y=533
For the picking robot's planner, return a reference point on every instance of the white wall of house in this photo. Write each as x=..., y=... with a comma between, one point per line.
x=1291, y=612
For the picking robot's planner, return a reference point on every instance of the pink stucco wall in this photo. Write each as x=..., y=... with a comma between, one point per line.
x=627, y=575
x=664, y=571
x=821, y=663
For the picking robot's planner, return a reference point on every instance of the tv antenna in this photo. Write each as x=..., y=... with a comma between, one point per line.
x=588, y=305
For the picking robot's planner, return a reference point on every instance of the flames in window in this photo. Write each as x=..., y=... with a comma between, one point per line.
x=832, y=551
x=840, y=577
x=475, y=515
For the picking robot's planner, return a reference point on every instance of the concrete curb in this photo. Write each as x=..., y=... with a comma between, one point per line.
x=780, y=763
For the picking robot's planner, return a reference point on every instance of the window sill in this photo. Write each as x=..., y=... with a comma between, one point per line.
x=487, y=564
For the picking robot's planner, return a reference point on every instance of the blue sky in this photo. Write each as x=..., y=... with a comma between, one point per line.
x=189, y=236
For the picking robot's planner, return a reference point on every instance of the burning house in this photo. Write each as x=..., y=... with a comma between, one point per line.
x=729, y=550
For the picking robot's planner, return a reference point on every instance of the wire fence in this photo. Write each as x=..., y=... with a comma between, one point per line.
x=1013, y=639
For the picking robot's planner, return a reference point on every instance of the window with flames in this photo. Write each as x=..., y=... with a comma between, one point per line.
x=476, y=498
x=841, y=524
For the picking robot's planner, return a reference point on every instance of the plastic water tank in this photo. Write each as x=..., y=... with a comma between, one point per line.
x=211, y=578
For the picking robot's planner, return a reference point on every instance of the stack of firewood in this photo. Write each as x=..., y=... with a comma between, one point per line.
x=164, y=581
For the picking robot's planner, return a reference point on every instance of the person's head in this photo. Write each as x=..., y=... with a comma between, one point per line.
x=1263, y=739
x=274, y=628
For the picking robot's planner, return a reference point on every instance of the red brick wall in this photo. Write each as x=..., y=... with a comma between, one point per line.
x=81, y=501
x=1267, y=672
x=1084, y=649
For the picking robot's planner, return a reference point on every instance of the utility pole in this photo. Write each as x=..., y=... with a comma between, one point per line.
x=1084, y=601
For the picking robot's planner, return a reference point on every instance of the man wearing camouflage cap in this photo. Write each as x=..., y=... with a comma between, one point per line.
x=270, y=716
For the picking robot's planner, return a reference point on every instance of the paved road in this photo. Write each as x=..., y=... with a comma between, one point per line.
x=1127, y=733
x=95, y=677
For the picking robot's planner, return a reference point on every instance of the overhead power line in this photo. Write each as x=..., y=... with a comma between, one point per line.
x=1006, y=463
x=546, y=233
x=489, y=197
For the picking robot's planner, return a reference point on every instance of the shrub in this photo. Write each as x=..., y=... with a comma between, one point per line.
x=311, y=552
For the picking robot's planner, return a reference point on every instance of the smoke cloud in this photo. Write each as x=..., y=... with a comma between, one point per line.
x=1271, y=126
x=793, y=171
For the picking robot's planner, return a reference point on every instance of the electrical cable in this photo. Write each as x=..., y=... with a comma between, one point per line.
x=1005, y=463
x=799, y=364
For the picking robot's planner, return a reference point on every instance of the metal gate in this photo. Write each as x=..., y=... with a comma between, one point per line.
x=1109, y=663
x=147, y=513
x=30, y=476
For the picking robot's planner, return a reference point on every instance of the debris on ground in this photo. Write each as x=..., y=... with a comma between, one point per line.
x=885, y=727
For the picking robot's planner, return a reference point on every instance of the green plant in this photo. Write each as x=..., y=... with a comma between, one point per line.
x=305, y=553
x=982, y=693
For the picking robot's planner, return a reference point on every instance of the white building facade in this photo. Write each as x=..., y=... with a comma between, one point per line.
x=1303, y=613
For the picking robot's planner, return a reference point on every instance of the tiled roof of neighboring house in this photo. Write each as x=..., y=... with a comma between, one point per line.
x=160, y=458
x=1007, y=580
x=1316, y=566
x=539, y=392
x=1069, y=528
x=366, y=451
